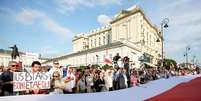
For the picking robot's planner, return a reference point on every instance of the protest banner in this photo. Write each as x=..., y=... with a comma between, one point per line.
x=25, y=81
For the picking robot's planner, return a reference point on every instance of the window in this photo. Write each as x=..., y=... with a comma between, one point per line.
x=108, y=38
x=103, y=40
x=91, y=43
x=99, y=41
x=150, y=40
x=84, y=45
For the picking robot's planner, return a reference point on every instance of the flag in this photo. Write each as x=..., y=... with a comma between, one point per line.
x=107, y=60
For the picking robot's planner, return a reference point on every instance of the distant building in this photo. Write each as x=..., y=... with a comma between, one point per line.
x=130, y=33
x=25, y=57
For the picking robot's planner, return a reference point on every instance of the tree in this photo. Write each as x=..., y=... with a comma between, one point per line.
x=106, y=66
x=95, y=66
x=169, y=63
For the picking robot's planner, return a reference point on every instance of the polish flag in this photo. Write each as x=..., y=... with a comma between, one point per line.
x=177, y=88
x=107, y=60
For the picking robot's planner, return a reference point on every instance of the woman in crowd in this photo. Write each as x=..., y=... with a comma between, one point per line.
x=57, y=84
x=89, y=81
x=80, y=85
x=134, y=78
x=99, y=82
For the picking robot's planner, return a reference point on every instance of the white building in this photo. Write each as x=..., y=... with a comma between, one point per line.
x=130, y=34
x=25, y=57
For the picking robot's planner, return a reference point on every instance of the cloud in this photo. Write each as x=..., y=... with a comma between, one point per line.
x=54, y=27
x=106, y=2
x=48, y=51
x=31, y=16
x=65, y=6
x=28, y=16
x=51, y=52
x=174, y=4
x=103, y=19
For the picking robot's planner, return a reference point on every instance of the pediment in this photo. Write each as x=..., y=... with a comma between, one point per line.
x=121, y=14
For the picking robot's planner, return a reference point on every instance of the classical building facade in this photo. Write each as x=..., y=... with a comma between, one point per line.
x=130, y=33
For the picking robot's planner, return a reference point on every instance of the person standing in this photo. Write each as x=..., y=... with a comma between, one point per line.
x=108, y=78
x=122, y=79
x=36, y=68
x=69, y=81
x=134, y=78
x=57, y=84
x=1, y=69
x=99, y=82
x=56, y=67
x=89, y=81
x=80, y=86
x=116, y=58
x=7, y=79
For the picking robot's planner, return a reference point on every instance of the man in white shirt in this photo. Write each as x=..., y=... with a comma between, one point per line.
x=56, y=67
x=69, y=81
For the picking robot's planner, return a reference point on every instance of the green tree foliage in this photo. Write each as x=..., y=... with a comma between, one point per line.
x=169, y=63
x=106, y=66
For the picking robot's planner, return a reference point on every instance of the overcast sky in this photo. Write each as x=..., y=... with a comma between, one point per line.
x=47, y=26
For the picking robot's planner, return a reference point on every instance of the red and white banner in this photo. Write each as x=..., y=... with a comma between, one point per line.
x=190, y=87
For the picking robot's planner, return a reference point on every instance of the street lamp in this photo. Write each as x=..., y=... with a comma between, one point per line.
x=194, y=60
x=164, y=24
x=186, y=54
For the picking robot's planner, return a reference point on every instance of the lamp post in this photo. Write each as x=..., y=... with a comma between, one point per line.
x=186, y=54
x=164, y=24
x=194, y=60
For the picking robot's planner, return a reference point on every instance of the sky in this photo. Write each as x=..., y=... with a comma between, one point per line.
x=48, y=26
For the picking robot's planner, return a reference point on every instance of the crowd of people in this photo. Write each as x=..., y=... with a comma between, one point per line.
x=88, y=80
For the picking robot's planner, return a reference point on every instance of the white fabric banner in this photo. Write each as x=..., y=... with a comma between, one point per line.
x=25, y=81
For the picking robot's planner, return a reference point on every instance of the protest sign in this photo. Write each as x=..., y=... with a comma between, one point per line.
x=25, y=81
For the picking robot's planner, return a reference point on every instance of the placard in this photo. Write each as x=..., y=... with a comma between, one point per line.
x=25, y=81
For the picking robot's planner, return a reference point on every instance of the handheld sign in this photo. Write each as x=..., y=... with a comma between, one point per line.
x=24, y=81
